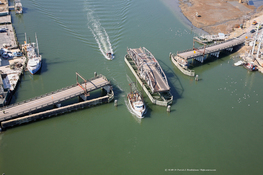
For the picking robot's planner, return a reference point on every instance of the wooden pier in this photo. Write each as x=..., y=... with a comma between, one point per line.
x=200, y=54
x=30, y=106
x=57, y=111
x=211, y=49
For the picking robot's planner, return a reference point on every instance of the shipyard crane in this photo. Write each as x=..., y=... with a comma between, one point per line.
x=254, y=42
x=259, y=45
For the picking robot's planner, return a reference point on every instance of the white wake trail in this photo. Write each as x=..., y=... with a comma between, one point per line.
x=100, y=34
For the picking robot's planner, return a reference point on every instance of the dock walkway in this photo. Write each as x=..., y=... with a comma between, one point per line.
x=53, y=98
x=190, y=54
x=202, y=53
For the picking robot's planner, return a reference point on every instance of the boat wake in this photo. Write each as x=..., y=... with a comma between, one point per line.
x=100, y=34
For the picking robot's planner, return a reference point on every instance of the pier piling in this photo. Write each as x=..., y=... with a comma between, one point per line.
x=168, y=108
x=196, y=78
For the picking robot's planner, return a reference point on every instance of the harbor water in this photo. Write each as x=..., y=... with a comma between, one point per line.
x=215, y=124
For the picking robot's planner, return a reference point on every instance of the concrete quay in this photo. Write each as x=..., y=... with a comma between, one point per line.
x=11, y=67
x=57, y=111
x=36, y=108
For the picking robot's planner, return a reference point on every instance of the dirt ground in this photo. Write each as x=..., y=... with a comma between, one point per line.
x=218, y=16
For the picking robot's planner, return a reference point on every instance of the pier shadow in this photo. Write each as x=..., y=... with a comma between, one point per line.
x=211, y=59
x=176, y=91
x=117, y=91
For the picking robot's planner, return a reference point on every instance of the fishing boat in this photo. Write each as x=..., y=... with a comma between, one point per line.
x=18, y=7
x=136, y=103
x=34, y=58
x=250, y=66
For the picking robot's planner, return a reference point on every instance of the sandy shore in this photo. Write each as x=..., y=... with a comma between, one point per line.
x=218, y=16
x=215, y=16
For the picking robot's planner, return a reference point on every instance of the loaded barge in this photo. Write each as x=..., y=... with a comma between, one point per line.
x=150, y=75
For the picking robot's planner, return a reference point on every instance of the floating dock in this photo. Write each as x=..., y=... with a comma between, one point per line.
x=27, y=111
x=11, y=66
x=150, y=75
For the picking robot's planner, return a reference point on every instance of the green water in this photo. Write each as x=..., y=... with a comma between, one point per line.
x=215, y=123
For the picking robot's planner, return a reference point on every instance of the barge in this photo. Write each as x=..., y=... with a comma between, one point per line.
x=150, y=75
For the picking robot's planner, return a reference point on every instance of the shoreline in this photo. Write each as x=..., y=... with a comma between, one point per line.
x=227, y=26
x=174, y=7
x=216, y=17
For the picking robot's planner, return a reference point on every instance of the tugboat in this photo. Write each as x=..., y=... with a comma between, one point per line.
x=136, y=103
x=250, y=66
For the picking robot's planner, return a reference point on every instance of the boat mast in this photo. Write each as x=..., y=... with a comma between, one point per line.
x=25, y=39
x=37, y=45
x=130, y=87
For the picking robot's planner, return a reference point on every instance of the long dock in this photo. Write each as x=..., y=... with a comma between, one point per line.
x=180, y=60
x=211, y=49
x=57, y=111
x=30, y=106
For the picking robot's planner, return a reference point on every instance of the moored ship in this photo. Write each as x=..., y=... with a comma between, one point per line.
x=33, y=56
x=18, y=7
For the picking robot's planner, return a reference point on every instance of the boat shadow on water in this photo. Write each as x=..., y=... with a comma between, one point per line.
x=148, y=111
x=176, y=87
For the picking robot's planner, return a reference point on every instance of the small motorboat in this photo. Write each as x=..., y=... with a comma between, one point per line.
x=239, y=63
x=250, y=66
x=110, y=55
x=136, y=103
x=18, y=7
